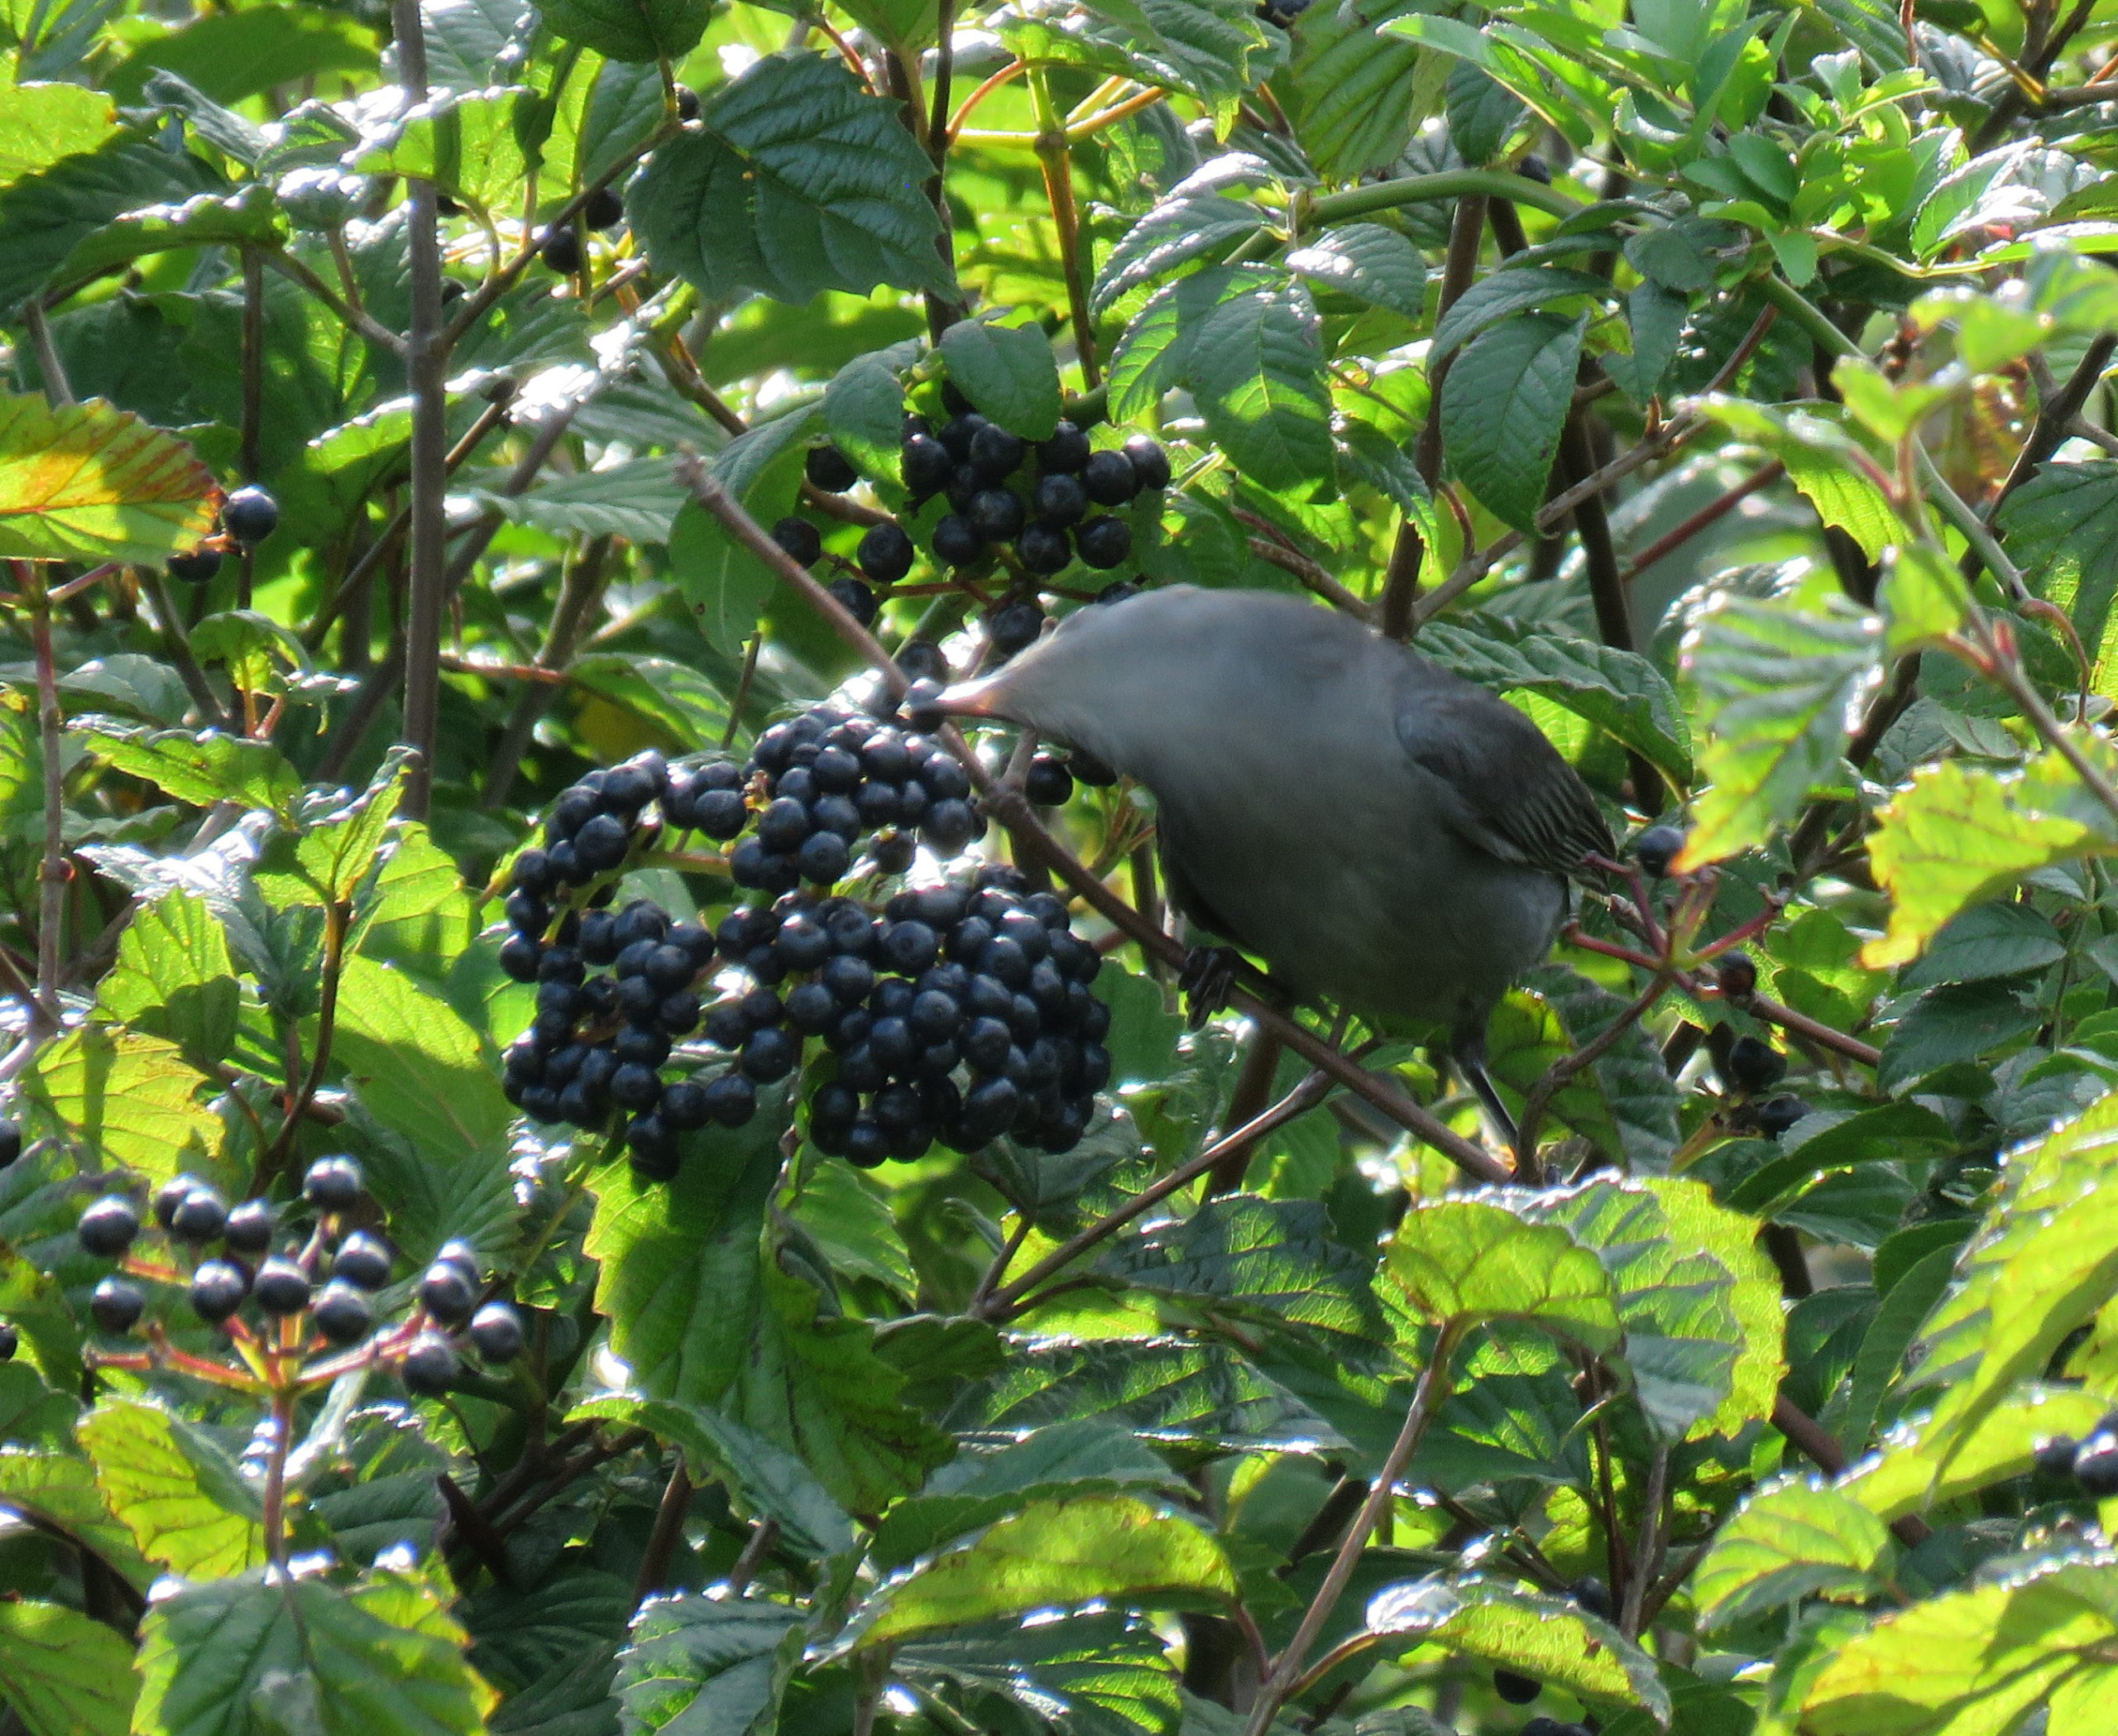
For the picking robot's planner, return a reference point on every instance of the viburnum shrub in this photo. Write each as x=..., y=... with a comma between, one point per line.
x=584, y=1151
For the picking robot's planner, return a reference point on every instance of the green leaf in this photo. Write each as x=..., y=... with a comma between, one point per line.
x=470, y=145
x=175, y=1490
x=1354, y=95
x=248, y=218
x=1962, y=833
x=419, y=1069
x=1625, y=1102
x=129, y=1097
x=1551, y=1639
x=726, y=585
x=60, y=1490
x=1889, y=1337
x=1099, y=1675
x=232, y=56
x=200, y=767
x=864, y=410
x=1792, y=1539
x=638, y=500
x=1481, y=113
x=769, y=1483
x=1503, y=406
x=1195, y=222
x=679, y=1278
x=1911, y=1476
x=2043, y=1262
x=381, y=1656
x=1924, y=598
x=1214, y=50
x=1007, y=371
x=708, y=1664
x=682, y=705
x=1978, y=1658
x=1507, y=292
x=172, y=976
x=1999, y=938
x=1089, y=1456
x=1845, y=495
x=1243, y=342
x=795, y=181
x=1056, y=1553
x=630, y=30
x=64, y=1674
x=88, y=483
x=1956, y=1022
x=1376, y=264
x=45, y=215
x=2061, y=528
x=1471, y=1260
x=1776, y=680
x=45, y=122
x=1621, y=693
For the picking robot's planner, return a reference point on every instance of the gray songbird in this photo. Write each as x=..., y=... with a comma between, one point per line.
x=1382, y=832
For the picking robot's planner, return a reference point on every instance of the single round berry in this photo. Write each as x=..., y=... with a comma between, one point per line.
x=601, y=843
x=197, y=567
x=1014, y=627
x=956, y=541
x=957, y=433
x=1736, y=975
x=11, y=1142
x=824, y=858
x=605, y=209
x=1150, y=461
x=1109, y=478
x=250, y=515
x=855, y=598
x=10, y=1341
x=683, y=1106
x=2095, y=1465
x=731, y=1099
x=997, y=513
x=430, y=1365
x=363, y=1261
x=1657, y=848
x=687, y=103
x=332, y=1184
x=281, y=1288
x=217, y=1289
x=561, y=251
x=342, y=1314
x=1064, y=451
x=1755, y=1065
x=248, y=1230
x=1516, y=1690
x=829, y=469
x=446, y=1294
x=770, y=1054
x=924, y=463
x=1059, y=499
x=720, y=814
x=885, y=553
x=117, y=1305
x=995, y=453
x=803, y=542
x=496, y=1332
x=1044, y=547
x=1776, y=1115
x=1104, y=541
x=1594, y=1596
x=108, y=1227
x=2054, y=1458
x=200, y=1216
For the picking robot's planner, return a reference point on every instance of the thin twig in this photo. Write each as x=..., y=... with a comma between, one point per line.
x=668, y=1531
x=580, y=594
x=1647, y=1554
x=765, y=1534
x=57, y=390
x=51, y=872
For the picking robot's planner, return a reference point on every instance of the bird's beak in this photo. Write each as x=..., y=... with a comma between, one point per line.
x=983, y=697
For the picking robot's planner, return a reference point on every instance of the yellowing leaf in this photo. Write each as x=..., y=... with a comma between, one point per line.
x=86, y=482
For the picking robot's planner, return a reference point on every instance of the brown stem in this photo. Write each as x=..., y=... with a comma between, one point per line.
x=337, y=920
x=1304, y=1097
x=475, y=1531
x=1253, y=1091
x=1401, y=589
x=1764, y=477
x=1052, y=155
x=275, y=1479
x=1807, y=1436
x=51, y=870
x=668, y=1531
x=426, y=358
x=1647, y=1555
x=1329, y=1523
x=57, y=390
x=580, y=594
x=1426, y=1397
x=765, y=1534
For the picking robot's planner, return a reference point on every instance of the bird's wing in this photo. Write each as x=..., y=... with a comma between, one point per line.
x=1514, y=796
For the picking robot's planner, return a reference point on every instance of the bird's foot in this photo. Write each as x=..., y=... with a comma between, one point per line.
x=1206, y=977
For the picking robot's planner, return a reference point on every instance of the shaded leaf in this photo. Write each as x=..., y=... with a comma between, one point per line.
x=630, y=30
x=1503, y=406
x=1007, y=371
x=64, y=1674
x=708, y=1663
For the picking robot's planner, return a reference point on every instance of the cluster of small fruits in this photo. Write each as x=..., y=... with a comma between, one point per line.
x=956, y=1013
x=249, y=1254
x=247, y=517
x=1043, y=521
x=2092, y=1463
x=560, y=250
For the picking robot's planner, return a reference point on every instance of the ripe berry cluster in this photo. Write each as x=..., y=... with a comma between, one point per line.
x=247, y=517
x=1049, y=516
x=245, y=1254
x=957, y=1012
x=2093, y=1463
x=560, y=250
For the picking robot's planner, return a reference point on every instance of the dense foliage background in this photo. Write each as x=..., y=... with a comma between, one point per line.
x=1722, y=381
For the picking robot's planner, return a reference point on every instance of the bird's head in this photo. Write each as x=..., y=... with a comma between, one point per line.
x=1103, y=679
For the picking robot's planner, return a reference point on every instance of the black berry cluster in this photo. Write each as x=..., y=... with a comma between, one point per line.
x=956, y=1013
x=1047, y=501
x=247, y=517
x=2091, y=1464
x=286, y=1267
